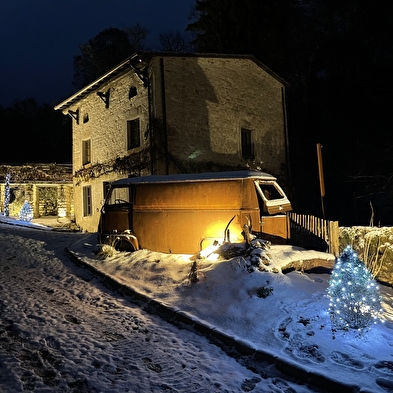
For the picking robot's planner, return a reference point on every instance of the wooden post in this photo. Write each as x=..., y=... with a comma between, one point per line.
x=334, y=241
x=321, y=178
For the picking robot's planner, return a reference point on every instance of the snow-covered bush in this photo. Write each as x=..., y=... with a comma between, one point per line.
x=104, y=251
x=374, y=247
x=355, y=300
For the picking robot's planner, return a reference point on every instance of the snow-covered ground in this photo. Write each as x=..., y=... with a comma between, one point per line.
x=62, y=330
x=292, y=323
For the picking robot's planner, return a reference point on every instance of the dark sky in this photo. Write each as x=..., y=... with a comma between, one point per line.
x=39, y=39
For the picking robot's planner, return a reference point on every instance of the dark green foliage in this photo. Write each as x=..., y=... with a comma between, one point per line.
x=193, y=275
x=264, y=292
x=337, y=57
x=253, y=27
x=101, y=53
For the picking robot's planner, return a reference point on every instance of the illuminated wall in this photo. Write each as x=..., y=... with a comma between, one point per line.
x=191, y=110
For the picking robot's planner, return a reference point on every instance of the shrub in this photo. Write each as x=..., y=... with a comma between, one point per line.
x=263, y=292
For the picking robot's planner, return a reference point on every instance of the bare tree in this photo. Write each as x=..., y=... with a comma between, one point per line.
x=99, y=54
x=174, y=42
x=105, y=50
x=137, y=35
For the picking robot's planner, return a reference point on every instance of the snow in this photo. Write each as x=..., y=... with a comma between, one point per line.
x=291, y=324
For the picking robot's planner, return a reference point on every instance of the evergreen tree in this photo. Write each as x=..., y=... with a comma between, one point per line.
x=259, y=28
x=26, y=212
x=355, y=300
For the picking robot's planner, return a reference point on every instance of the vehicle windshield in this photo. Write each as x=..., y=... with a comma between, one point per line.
x=269, y=191
x=119, y=195
x=272, y=198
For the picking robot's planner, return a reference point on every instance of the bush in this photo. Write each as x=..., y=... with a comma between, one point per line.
x=264, y=292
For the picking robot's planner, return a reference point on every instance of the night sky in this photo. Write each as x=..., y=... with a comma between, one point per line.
x=39, y=39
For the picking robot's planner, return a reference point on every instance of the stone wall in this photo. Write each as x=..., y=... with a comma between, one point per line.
x=45, y=199
x=26, y=182
x=374, y=247
x=208, y=101
x=106, y=127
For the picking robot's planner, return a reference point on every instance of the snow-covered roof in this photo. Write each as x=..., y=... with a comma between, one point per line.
x=192, y=177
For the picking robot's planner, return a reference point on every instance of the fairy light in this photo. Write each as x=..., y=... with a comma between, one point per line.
x=7, y=195
x=26, y=212
x=355, y=300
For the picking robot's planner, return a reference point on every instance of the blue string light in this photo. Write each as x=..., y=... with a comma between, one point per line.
x=355, y=300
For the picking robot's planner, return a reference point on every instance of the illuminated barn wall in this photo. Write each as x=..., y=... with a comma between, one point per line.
x=47, y=187
x=195, y=113
x=208, y=101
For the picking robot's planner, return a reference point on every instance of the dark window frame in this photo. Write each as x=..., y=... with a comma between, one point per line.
x=247, y=147
x=86, y=152
x=132, y=92
x=105, y=188
x=87, y=201
x=133, y=134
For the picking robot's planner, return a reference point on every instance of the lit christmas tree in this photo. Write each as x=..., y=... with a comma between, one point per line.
x=355, y=300
x=7, y=195
x=26, y=212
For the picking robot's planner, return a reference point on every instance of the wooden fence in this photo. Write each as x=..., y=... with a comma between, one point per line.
x=313, y=233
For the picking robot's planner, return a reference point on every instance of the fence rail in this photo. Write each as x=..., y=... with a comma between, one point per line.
x=313, y=233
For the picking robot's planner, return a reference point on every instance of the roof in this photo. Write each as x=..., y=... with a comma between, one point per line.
x=139, y=61
x=195, y=177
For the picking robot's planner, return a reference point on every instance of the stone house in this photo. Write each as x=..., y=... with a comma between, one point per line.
x=163, y=113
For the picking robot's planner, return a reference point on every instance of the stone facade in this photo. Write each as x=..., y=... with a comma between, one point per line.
x=47, y=187
x=195, y=113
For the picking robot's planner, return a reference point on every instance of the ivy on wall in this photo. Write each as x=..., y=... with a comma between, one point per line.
x=37, y=172
x=131, y=164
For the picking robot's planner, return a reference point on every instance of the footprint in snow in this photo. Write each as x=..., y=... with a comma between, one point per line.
x=72, y=319
x=306, y=352
x=282, y=329
x=249, y=384
x=346, y=360
x=386, y=384
x=385, y=366
x=152, y=366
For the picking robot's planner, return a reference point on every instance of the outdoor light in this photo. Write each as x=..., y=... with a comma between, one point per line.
x=206, y=252
x=62, y=212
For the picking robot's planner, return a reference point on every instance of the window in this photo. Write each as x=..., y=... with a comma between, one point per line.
x=87, y=210
x=133, y=134
x=86, y=152
x=106, y=185
x=247, y=148
x=133, y=92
